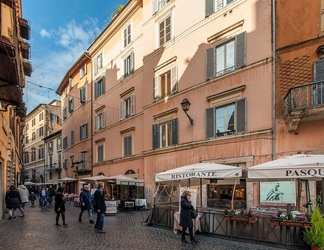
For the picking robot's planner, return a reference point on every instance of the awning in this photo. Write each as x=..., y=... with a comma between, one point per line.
x=96, y=178
x=207, y=170
x=125, y=180
x=67, y=179
x=299, y=166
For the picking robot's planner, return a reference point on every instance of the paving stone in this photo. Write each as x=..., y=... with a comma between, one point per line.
x=37, y=231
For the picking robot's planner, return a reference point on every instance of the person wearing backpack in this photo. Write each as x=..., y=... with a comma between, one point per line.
x=99, y=207
x=85, y=203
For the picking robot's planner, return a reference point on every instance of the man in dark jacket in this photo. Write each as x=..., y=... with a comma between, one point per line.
x=85, y=203
x=100, y=207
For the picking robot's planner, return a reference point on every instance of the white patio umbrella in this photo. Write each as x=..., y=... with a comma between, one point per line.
x=67, y=179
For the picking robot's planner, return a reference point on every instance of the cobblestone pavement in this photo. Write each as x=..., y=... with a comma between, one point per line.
x=37, y=231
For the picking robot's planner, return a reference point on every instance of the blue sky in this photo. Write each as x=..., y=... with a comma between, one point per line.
x=61, y=30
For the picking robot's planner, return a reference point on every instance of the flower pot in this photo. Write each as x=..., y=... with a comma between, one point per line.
x=291, y=223
x=315, y=248
x=241, y=219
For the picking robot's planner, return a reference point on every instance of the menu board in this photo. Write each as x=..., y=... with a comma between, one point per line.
x=111, y=207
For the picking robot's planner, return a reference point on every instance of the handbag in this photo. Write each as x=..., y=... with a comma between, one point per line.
x=194, y=213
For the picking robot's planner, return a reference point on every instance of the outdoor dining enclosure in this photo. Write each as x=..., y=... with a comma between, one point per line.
x=300, y=172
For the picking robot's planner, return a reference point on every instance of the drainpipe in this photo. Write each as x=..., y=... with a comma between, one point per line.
x=273, y=79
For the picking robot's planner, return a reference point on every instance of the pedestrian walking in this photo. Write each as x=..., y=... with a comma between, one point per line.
x=32, y=198
x=85, y=196
x=59, y=206
x=99, y=207
x=13, y=201
x=185, y=217
x=24, y=195
x=42, y=196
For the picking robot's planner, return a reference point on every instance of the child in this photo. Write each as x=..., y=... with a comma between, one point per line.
x=32, y=198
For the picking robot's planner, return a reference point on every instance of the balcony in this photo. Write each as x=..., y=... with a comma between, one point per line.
x=24, y=29
x=82, y=170
x=27, y=68
x=304, y=103
x=25, y=50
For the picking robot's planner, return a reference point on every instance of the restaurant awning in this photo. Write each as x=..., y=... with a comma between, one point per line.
x=299, y=166
x=207, y=170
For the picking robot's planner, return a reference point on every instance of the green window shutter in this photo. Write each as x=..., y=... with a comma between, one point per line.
x=156, y=135
x=240, y=41
x=210, y=122
x=175, y=129
x=241, y=115
x=318, y=68
x=210, y=62
x=209, y=9
x=174, y=80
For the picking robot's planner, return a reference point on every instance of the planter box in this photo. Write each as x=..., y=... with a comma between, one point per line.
x=241, y=219
x=291, y=223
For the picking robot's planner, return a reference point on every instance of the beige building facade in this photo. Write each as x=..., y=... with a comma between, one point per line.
x=41, y=122
x=14, y=66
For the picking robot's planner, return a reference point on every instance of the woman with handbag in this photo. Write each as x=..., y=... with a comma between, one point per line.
x=185, y=217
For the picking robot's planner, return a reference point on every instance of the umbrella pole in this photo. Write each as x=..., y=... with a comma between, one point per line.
x=298, y=194
x=233, y=194
x=200, y=192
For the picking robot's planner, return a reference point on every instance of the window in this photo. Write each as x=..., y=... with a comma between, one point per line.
x=127, y=145
x=50, y=147
x=65, y=161
x=26, y=157
x=165, y=84
x=33, y=154
x=65, y=143
x=33, y=136
x=165, y=134
x=72, y=137
x=70, y=83
x=64, y=114
x=83, y=96
x=83, y=131
x=127, y=35
x=100, y=121
x=27, y=139
x=129, y=65
x=41, y=153
x=165, y=31
x=99, y=87
x=100, y=153
x=53, y=117
x=58, y=143
x=83, y=160
x=71, y=106
x=41, y=131
x=41, y=116
x=127, y=107
x=33, y=122
x=59, y=160
x=318, y=76
x=97, y=63
x=226, y=57
x=83, y=71
x=214, y=5
x=159, y=4
x=226, y=120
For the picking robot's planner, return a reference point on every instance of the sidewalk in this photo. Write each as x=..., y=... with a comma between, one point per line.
x=37, y=231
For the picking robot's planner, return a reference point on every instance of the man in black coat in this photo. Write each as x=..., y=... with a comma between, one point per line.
x=85, y=203
x=100, y=207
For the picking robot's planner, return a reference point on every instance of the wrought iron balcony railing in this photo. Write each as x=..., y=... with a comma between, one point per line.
x=304, y=102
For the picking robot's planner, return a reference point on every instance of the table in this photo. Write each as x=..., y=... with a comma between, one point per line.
x=177, y=227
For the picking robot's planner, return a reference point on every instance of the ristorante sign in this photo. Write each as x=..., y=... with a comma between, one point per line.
x=201, y=174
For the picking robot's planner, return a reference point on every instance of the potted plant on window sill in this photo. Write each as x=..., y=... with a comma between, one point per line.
x=314, y=236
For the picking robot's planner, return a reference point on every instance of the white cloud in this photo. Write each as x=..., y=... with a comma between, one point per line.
x=49, y=69
x=44, y=33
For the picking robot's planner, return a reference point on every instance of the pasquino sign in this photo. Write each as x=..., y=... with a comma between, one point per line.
x=313, y=172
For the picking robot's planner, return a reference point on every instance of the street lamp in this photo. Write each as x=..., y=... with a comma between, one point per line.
x=185, y=104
